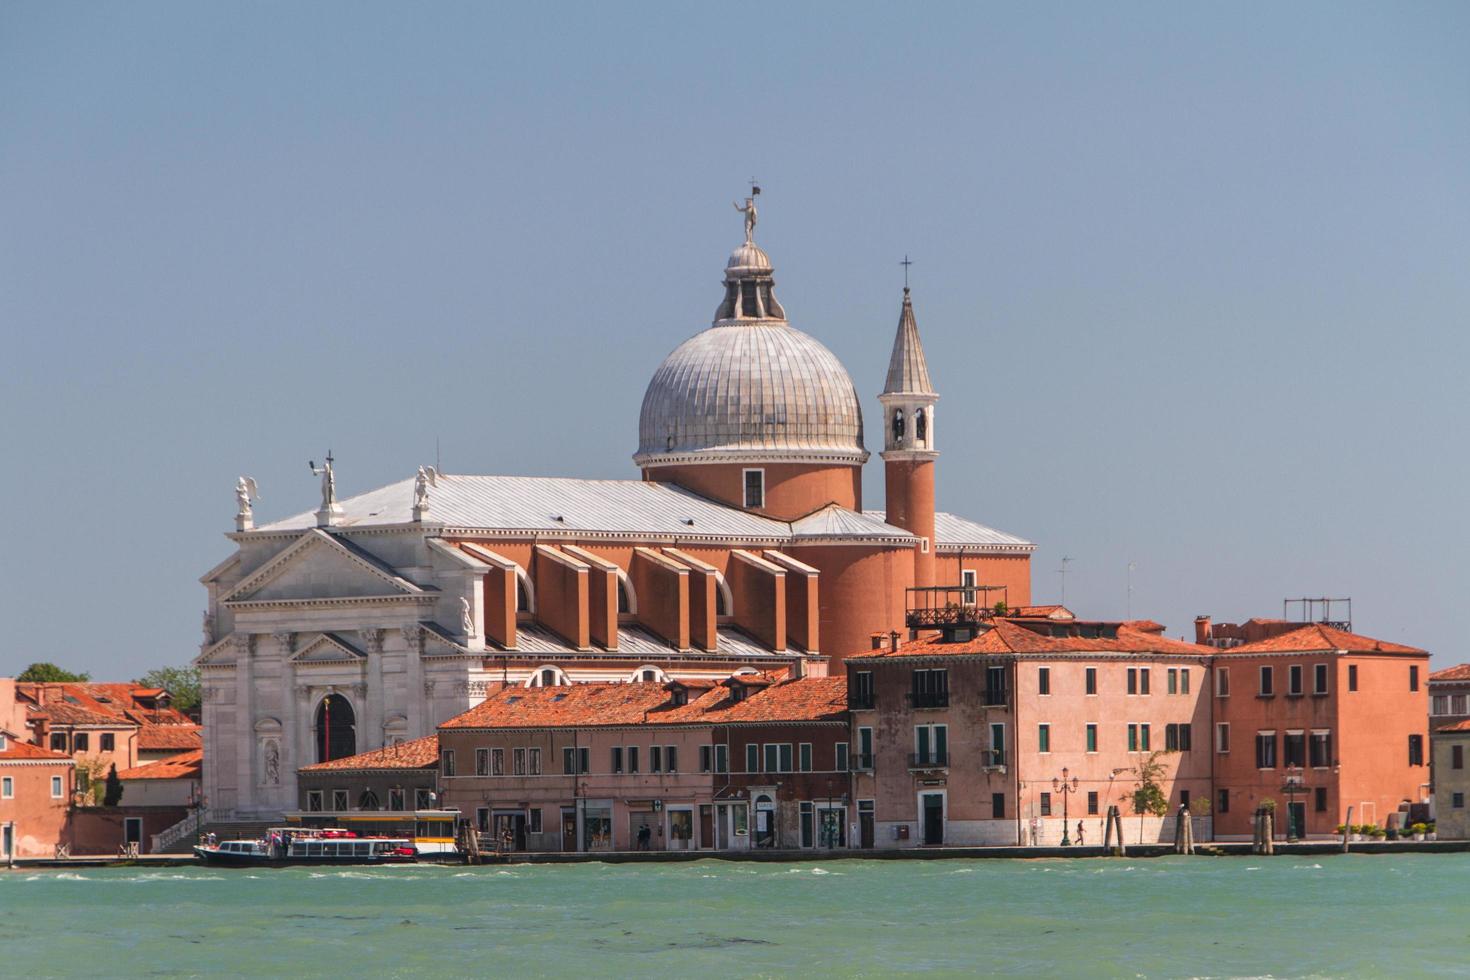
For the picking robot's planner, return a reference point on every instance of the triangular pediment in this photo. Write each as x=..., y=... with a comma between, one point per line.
x=321, y=566
x=329, y=648
x=222, y=651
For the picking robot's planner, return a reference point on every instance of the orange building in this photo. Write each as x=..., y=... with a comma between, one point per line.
x=1319, y=720
x=35, y=798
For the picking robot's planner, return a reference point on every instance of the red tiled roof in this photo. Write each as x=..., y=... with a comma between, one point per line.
x=1459, y=672
x=421, y=753
x=1317, y=638
x=1054, y=611
x=64, y=713
x=804, y=699
x=152, y=738
x=25, y=750
x=1459, y=726
x=185, y=765
x=1007, y=637
x=117, y=699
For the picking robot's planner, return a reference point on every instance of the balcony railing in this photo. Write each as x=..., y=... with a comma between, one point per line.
x=929, y=760
x=993, y=758
x=860, y=700
x=928, y=699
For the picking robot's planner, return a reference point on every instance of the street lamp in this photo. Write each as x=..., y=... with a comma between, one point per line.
x=1066, y=789
x=1294, y=785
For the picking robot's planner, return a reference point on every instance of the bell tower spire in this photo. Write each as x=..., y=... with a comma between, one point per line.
x=908, y=439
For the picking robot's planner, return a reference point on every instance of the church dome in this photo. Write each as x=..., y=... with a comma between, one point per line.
x=751, y=387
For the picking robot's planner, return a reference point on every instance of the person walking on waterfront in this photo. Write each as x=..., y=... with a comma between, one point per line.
x=1080, y=840
x=644, y=835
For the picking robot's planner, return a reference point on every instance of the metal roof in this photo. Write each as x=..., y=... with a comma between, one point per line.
x=908, y=371
x=834, y=521
x=636, y=642
x=953, y=531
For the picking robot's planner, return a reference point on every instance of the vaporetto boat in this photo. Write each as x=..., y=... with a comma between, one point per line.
x=297, y=845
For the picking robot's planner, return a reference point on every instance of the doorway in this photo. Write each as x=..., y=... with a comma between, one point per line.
x=706, y=826
x=932, y=805
x=831, y=827
x=1296, y=820
x=7, y=841
x=568, y=829
x=765, y=821
x=510, y=831
x=865, y=824
x=133, y=831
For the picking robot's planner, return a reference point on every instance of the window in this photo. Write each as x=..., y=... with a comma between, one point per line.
x=1413, y=677
x=632, y=754
x=518, y=761
x=967, y=579
x=706, y=758
x=752, y=757
x=497, y=762
x=1294, y=749
x=339, y=799
x=931, y=745
x=535, y=821
x=1046, y=804
x=1457, y=757
x=1222, y=805
x=314, y=800
x=1319, y=799
x=865, y=748
x=773, y=757
x=1439, y=704
x=569, y=760
x=1178, y=738
x=1091, y=680
x=1267, y=682
x=804, y=757
x=997, y=744
x=1173, y=682
x=1319, y=678
x=446, y=765
x=395, y=798
x=722, y=758
x=1092, y=802
x=533, y=759
x=995, y=686
x=1132, y=738
x=1294, y=681
x=1043, y=738
x=1320, y=750
x=841, y=749
x=1457, y=801
x=1132, y=680
x=58, y=741
x=1143, y=740
x=930, y=688
x=1457, y=704
x=482, y=762
x=671, y=758
x=860, y=689
x=107, y=742
x=1222, y=737
x=1043, y=680
x=1265, y=750
x=998, y=806
x=808, y=821
x=368, y=800
x=1352, y=677
x=1184, y=680
x=1143, y=673
x=655, y=758
x=56, y=787
x=423, y=799
x=1222, y=682
x=1091, y=737
x=80, y=742
x=1416, y=750
x=755, y=488
x=617, y=758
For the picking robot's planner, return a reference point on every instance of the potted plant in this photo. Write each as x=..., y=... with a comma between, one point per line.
x=1429, y=832
x=1419, y=830
x=1377, y=833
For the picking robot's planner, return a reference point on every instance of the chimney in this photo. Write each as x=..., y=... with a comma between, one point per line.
x=893, y=639
x=1202, y=630
x=877, y=639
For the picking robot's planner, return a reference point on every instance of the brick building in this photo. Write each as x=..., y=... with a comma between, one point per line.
x=1449, y=696
x=1451, y=746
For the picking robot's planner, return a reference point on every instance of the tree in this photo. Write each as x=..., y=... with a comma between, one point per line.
x=181, y=682
x=44, y=673
x=1148, y=796
x=112, y=796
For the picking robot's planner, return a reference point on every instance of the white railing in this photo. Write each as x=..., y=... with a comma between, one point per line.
x=170, y=836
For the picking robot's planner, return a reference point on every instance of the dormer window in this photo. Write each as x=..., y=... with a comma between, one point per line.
x=737, y=693
x=679, y=697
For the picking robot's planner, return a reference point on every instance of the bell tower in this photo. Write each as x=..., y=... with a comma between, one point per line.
x=908, y=442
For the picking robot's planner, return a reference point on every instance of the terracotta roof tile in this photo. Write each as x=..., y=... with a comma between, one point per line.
x=421, y=753
x=185, y=765
x=25, y=750
x=63, y=713
x=152, y=738
x=1459, y=672
x=1459, y=726
x=1007, y=637
x=1316, y=638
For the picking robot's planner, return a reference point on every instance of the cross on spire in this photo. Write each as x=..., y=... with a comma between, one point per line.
x=906, y=263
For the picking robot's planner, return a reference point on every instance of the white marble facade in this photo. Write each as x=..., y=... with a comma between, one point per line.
x=297, y=615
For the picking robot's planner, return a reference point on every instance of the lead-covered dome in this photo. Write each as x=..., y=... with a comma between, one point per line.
x=751, y=386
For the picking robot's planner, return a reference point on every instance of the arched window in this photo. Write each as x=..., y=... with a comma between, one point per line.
x=898, y=425
x=336, y=731
x=648, y=674
x=921, y=426
x=548, y=676
x=525, y=593
x=724, y=605
x=368, y=800
x=627, y=596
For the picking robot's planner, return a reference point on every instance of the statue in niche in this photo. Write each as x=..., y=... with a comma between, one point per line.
x=272, y=763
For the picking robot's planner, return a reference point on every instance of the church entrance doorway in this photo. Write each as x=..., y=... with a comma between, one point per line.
x=336, y=723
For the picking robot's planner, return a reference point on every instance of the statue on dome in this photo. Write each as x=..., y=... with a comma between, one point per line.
x=246, y=490
x=750, y=215
x=427, y=477
x=329, y=480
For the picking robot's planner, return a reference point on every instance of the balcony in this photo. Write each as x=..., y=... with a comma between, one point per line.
x=938, y=759
x=928, y=699
x=951, y=607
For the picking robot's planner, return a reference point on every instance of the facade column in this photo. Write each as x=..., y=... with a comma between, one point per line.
x=290, y=749
x=245, y=748
x=373, y=697
x=414, y=707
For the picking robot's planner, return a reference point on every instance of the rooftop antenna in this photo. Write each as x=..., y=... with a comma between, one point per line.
x=906, y=263
x=1063, y=573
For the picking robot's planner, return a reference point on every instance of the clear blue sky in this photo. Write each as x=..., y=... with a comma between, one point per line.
x=1192, y=280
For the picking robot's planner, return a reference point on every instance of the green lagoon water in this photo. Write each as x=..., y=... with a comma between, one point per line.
x=1363, y=916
